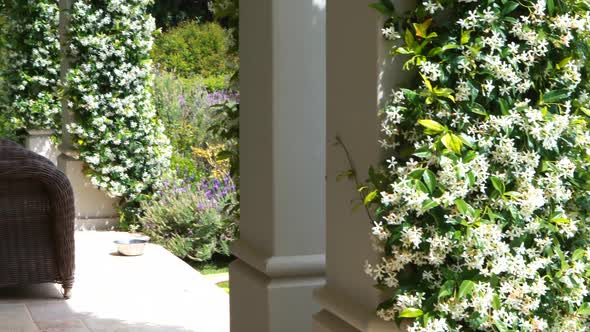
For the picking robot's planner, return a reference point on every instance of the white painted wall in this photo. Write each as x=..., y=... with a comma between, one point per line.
x=39, y=141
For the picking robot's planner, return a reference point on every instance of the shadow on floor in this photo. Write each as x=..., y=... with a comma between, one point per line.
x=50, y=312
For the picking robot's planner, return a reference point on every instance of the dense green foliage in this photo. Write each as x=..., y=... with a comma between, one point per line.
x=182, y=105
x=116, y=132
x=482, y=205
x=123, y=115
x=228, y=13
x=226, y=126
x=187, y=217
x=193, y=49
x=7, y=129
x=32, y=63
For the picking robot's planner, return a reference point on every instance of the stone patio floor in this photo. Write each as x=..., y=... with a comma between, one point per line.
x=155, y=292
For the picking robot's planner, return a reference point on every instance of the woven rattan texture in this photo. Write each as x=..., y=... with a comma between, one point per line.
x=36, y=220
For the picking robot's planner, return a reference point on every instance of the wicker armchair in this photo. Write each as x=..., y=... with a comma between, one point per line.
x=36, y=220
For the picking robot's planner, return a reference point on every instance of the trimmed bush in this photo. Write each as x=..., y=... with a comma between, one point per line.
x=195, y=49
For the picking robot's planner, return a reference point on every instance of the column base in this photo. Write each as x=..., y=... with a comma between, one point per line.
x=324, y=321
x=94, y=208
x=263, y=304
x=341, y=311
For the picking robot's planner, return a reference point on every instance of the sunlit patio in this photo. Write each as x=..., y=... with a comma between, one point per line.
x=153, y=292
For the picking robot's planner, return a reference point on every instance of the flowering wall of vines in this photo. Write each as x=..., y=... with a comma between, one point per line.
x=33, y=63
x=109, y=91
x=483, y=202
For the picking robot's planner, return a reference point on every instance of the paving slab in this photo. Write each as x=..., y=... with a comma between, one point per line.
x=72, y=325
x=16, y=318
x=150, y=293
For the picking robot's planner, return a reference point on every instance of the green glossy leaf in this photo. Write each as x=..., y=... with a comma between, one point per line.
x=411, y=313
x=579, y=254
x=435, y=51
x=499, y=185
x=466, y=36
x=430, y=180
x=450, y=47
x=421, y=186
x=385, y=7
x=409, y=38
x=469, y=156
x=463, y=207
x=585, y=110
x=425, y=154
x=564, y=62
x=584, y=309
x=422, y=28
x=504, y=106
x=444, y=92
x=380, y=8
x=559, y=220
x=452, y=142
x=429, y=204
x=551, y=7
x=509, y=7
x=466, y=288
x=426, y=82
x=432, y=127
x=417, y=173
x=370, y=197
x=447, y=289
x=468, y=141
x=555, y=96
x=497, y=302
x=478, y=109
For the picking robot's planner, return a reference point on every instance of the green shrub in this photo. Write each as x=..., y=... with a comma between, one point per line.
x=182, y=105
x=216, y=83
x=187, y=218
x=186, y=165
x=194, y=49
x=7, y=127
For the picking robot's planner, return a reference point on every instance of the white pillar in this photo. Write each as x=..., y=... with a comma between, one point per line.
x=94, y=209
x=359, y=74
x=282, y=146
x=40, y=142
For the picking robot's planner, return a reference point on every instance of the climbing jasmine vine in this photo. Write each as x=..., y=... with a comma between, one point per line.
x=116, y=130
x=32, y=62
x=482, y=206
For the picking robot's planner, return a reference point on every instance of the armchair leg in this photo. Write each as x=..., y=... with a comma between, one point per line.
x=67, y=289
x=67, y=293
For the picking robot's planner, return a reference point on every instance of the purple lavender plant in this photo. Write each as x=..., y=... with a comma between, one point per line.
x=220, y=97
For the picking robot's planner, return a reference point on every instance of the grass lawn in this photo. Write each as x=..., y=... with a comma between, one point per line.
x=217, y=265
x=224, y=285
